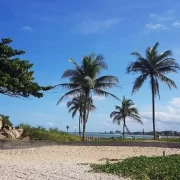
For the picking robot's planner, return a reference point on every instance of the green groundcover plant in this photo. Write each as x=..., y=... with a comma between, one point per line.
x=144, y=168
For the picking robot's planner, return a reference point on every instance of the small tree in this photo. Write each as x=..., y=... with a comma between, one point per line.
x=127, y=109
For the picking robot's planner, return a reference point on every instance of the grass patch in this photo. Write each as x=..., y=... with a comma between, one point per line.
x=144, y=168
x=169, y=139
x=52, y=134
x=175, y=140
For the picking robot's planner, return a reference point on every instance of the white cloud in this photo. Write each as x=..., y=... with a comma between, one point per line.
x=152, y=15
x=176, y=24
x=28, y=28
x=175, y=102
x=168, y=119
x=166, y=17
x=155, y=27
x=93, y=26
x=50, y=123
x=99, y=97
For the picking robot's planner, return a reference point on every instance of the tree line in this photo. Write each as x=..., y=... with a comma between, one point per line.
x=85, y=80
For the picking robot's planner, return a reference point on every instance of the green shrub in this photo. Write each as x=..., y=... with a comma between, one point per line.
x=6, y=120
x=53, y=134
x=144, y=168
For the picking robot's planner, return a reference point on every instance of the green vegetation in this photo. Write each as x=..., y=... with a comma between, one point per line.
x=84, y=79
x=154, y=66
x=5, y=120
x=16, y=78
x=127, y=109
x=144, y=168
x=53, y=134
x=169, y=139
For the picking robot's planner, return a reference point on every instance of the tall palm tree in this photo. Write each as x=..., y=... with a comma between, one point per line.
x=77, y=105
x=84, y=78
x=154, y=66
x=127, y=109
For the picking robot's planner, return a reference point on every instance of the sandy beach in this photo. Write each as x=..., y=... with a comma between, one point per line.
x=66, y=162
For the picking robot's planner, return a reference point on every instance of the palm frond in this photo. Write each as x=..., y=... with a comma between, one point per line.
x=74, y=113
x=107, y=79
x=154, y=52
x=168, y=65
x=68, y=73
x=114, y=113
x=139, y=82
x=136, y=117
x=167, y=81
x=104, y=93
x=118, y=108
x=69, y=85
x=117, y=119
x=138, y=55
x=99, y=61
x=74, y=62
x=164, y=55
x=139, y=66
x=74, y=92
x=71, y=109
x=105, y=82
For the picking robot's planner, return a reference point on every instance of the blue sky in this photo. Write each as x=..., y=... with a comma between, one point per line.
x=52, y=31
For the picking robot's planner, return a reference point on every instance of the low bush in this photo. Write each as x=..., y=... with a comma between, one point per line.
x=53, y=134
x=144, y=168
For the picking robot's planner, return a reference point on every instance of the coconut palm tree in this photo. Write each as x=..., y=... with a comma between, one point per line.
x=84, y=78
x=154, y=66
x=67, y=127
x=77, y=105
x=127, y=109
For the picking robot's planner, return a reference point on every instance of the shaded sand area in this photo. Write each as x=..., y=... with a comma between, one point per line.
x=66, y=162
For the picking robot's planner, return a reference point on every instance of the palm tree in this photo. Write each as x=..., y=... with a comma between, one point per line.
x=84, y=79
x=77, y=104
x=127, y=109
x=67, y=127
x=154, y=67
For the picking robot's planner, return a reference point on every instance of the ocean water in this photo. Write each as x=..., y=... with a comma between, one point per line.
x=100, y=135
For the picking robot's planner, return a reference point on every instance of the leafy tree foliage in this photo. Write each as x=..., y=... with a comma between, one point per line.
x=16, y=77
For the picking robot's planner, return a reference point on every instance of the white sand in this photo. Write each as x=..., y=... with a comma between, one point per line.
x=65, y=162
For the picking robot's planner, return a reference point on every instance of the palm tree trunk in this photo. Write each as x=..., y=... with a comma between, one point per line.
x=84, y=116
x=123, y=128
x=79, y=124
x=153, y=108
x=84, y=130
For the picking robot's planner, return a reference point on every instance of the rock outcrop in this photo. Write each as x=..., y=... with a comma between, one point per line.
x=8, y=132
